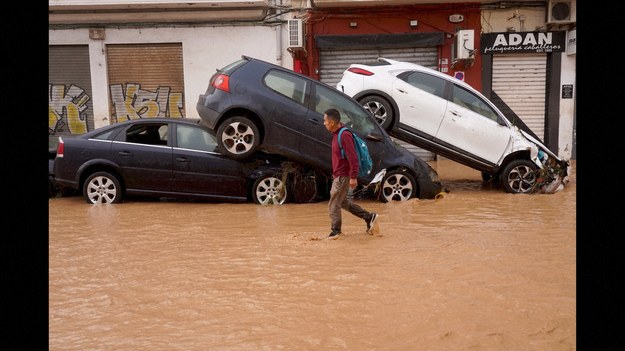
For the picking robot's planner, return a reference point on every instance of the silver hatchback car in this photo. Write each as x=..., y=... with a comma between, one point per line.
x=447, y=116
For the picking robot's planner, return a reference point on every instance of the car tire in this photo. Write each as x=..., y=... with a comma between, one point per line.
x=270, y=189
x=519, y=176
x=398, y=185
x=102, y=188
x=380, y=108
x=238, y=137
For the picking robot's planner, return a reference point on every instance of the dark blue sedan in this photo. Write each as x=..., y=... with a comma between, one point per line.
x=171, y=158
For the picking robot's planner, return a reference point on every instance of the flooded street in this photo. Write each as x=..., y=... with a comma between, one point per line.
x=478, y=269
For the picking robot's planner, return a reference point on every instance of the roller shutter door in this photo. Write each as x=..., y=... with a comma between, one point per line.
x=520, y=81
x=333, y=62
x=70, y=102
x=145, y=80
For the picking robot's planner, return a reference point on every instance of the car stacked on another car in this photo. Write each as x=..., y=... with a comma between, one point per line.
x=447, y=116
x=253, y=105
x=172, y=158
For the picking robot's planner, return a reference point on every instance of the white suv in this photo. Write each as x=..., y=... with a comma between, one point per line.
x=447, y=116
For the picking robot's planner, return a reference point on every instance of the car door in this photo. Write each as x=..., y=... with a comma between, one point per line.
x=199, y=168
x=286, y=111
x=144, y=158
x=421, y=102
x=473, y=127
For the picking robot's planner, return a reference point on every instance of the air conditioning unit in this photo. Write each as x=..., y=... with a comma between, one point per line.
x=296, y=33
x=465, y=43
x=561, y=11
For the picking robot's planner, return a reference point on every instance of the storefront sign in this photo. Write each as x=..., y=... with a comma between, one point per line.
x=519, y=42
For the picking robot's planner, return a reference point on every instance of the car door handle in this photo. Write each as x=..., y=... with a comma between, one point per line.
x=401, y=91
x=125, y=153
x=455, y=113
x=182, y=159
x=313, y=121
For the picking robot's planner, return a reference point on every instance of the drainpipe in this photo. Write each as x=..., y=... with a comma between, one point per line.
x=278, y=3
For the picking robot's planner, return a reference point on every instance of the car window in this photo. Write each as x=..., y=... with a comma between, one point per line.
x=106, y=135
x=194, y=138
x=149, y=133
x=352, y=114
x=426, y=82
x=289, y=85
x=473, y=102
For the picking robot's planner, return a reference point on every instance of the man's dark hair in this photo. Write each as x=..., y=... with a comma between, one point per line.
x=333, y=114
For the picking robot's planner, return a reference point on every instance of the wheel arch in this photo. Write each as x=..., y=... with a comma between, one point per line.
x=247, y=113
x=370, y=92
x=517, y=155
x=94, y=166
x=253, y=175
x=413, y=174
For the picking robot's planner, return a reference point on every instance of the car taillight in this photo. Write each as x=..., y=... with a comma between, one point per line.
x=60, y=148
x=222, y=82
x=361, y=71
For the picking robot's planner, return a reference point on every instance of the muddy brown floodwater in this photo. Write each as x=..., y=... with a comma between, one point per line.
x=476, y=270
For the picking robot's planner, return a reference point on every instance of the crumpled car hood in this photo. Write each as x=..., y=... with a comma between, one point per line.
x=553, y=173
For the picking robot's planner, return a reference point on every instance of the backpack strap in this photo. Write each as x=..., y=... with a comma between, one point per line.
x=341, y=145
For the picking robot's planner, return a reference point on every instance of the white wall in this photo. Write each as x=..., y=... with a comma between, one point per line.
x=567, y=107
x=204, y=49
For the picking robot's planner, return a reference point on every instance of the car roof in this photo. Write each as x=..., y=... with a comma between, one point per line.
x=290, y=71
x=162, y=120
x=400, y=65
x=190, y=121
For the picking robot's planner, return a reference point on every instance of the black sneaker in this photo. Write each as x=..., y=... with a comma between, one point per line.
x=334, y=234
x=371, y=222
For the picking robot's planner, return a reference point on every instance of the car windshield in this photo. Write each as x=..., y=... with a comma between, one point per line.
x=352, y=114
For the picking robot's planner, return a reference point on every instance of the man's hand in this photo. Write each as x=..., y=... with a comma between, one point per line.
x=353, y=182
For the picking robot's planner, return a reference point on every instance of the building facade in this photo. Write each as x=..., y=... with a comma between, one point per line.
x=138, y=59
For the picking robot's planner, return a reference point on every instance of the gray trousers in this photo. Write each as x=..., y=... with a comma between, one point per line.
x=339, y=200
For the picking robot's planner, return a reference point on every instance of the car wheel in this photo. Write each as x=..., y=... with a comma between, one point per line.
x=519, y=176
x=398, y=185
x=269, y=189
x=380, y=108
x=102, y=188
x=238, y=137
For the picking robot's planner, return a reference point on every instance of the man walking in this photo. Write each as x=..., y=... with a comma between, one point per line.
x=344, y=176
